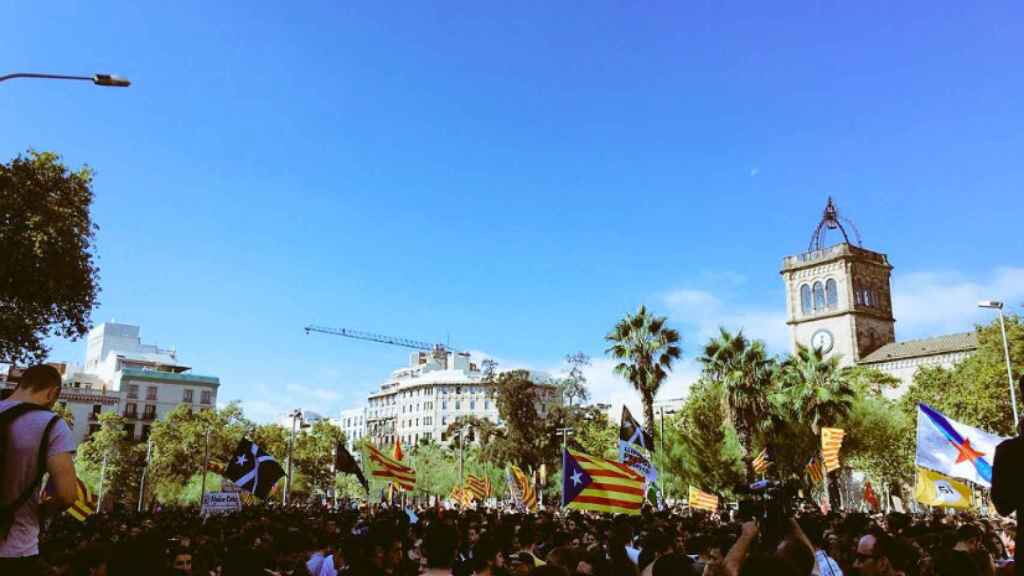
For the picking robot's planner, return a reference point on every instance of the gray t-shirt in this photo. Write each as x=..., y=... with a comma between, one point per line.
x=21, y=468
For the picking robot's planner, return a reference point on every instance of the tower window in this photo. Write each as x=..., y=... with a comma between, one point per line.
x=819, y=296
x=805, y=299
x=831, y=296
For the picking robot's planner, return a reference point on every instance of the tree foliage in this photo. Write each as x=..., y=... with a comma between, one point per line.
x=48, y=276
x=574, y=384
x=645, y=348
x=110, y=459
x=745, y=371
x=975, y=391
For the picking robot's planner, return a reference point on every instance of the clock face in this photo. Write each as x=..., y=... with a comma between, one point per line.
x=822, y=339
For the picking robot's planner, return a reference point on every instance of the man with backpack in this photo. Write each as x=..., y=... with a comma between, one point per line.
x=33, y=441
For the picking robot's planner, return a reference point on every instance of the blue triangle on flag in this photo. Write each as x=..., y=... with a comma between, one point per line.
x=574, y=478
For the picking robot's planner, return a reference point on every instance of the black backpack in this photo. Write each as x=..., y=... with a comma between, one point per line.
x=7, y=418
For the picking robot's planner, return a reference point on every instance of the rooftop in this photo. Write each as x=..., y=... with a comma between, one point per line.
x=950, y=343
x=837, y=251
x=157, y=375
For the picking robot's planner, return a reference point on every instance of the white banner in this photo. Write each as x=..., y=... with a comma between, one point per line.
x=221, y=503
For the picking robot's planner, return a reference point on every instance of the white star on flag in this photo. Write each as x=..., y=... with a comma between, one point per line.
x=577, y=478
x=241, y=460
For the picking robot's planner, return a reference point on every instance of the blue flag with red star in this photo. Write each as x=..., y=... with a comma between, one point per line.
x=953, y=448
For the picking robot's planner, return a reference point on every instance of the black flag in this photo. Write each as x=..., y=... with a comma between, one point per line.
x=344, y=462
x=252, y=469
x=631, y=432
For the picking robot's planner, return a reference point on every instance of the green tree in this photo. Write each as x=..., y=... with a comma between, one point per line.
x=574, y=385
x=745, y=371
x=975, y=391
x=180, y=441
x=314, y=454
x=880, y=439
x=109, y=455
x=646, y=349
x=814, y=389
x=65, y=413
x=525, y=439
x=48, y=276
x=702, y=447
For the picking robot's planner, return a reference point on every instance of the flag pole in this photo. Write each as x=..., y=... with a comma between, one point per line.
x=145, y=468
x=103, y=476
x=206, y=464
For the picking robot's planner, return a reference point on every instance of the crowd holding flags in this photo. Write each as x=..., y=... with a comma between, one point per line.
x=479, y=487
x=816, y=470
x=591, y=483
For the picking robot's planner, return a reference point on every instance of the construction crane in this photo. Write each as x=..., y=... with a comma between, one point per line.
x=439, y=351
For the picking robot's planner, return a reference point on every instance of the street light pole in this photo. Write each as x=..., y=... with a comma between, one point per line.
x=97, y=79
x=296, y=415
x=998, y=306
x=142, y=481
x=206, y=464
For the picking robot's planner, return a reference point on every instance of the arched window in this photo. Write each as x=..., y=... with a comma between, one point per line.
x=819, y=296
x=869, y=297
x=805, y=299
x=831, y=296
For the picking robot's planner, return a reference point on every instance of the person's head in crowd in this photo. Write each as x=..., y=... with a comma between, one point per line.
x=520, y=563
x=439, y=545
x=655, y=545
x=90, y=561
x=796, y=556
x=40, y=384
x=563, y=556
x=760, y=564
x=968, y=538
x=181, y=564
x=874, y=555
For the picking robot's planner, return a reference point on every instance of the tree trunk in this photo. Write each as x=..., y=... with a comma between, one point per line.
x=648, y=400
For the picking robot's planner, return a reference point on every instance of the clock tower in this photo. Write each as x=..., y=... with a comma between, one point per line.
x=838, y=296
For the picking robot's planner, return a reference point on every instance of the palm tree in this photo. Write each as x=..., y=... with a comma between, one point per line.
x=815, y=389
x=745, y=370
x=645, y=348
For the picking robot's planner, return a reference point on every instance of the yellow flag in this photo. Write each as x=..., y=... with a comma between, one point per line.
x=937, y=489
x=831, y=443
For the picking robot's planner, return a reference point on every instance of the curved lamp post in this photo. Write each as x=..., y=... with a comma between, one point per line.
x=97, y=79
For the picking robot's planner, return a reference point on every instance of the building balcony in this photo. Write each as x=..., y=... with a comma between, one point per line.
x=131, y=415
x=149, y=416
x=173, y=377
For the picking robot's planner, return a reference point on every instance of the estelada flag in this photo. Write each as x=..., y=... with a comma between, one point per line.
x=345, y=463
x=591, y=483
x=954, y=448
x=702, y=500
x=387, y=468
x=253, y=470
x=831, y=443
x=935, y=489
x=631, y=432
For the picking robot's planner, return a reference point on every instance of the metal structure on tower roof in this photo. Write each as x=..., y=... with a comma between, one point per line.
x=831, y=220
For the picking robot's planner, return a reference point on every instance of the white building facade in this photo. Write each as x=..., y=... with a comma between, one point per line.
x=142, y=382
x=420, y=402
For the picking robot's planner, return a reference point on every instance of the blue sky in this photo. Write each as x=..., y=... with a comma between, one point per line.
x=515, y=178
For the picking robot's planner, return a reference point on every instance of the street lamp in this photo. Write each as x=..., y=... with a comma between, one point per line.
x=296, y=416
x=97, y=79
x=998, y=307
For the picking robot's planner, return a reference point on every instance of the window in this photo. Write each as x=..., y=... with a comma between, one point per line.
x=130, y=410
x=472, y=404
x=458, y=389
x=444, y=420
x=150, y=412
x=444, y=404
x=487, y=404
x=206, y=397
x=458, y=405
x=145, y=432
x=93, y=428
x=819, y=297
x=129, y=431
x=187, y=396
x=831, y=297
x=133, y=391
x=805, y=299
x=151, y=393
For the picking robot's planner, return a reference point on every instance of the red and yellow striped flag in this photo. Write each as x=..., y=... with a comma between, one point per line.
x=816, y=470
x=831, y=443
x=523, y=489
x=84, y=505
x=591, y=483
x=702, y=500
x=479, y=487
x=761, y=462
x=387, y=468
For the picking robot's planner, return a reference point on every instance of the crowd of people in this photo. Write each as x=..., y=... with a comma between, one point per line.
x=396, y=542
